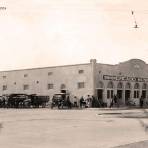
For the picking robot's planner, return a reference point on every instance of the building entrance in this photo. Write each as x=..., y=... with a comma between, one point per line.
x=144, y=93
x=63, y=91
x=100, y=94
x=127, y=96
x=119, y=94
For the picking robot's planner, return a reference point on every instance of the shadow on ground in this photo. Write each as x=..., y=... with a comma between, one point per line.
x=141, y=144
x=1, y=126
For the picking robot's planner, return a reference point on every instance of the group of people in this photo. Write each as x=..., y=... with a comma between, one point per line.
x=86, y=102
x=114, y=101
x=82, y=102
x=74, y=101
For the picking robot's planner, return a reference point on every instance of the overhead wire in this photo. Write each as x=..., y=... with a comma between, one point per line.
x=136, y=25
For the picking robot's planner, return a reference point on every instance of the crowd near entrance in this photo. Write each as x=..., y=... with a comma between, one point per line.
x=128, y=93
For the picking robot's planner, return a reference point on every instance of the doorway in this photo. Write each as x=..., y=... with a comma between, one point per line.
x=100, y=94
x=63, y=91
x=119, y=94
x=127, y=96
x=144, y=93
x=100, y=97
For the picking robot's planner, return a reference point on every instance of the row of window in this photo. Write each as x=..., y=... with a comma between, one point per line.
x=49, y=73
x=120, y=85
x=110, y=94
x=49, y=86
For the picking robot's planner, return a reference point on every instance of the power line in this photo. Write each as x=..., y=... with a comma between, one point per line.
x=133, y=14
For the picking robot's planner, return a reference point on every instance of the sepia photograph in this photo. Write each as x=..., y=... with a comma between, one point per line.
x=73, y=74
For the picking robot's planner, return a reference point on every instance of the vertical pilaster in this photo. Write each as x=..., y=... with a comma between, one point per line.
x=132, y=93
x=105, y=95
x=93, y=68
x=123, y=96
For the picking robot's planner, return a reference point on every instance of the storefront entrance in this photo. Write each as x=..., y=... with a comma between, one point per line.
x=127, y=96
x=144, y=93
x=119, y=94
x=100, y=94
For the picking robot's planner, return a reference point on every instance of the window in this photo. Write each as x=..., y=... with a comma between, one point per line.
x=110, y=94
x=50, y=86
x=110, y=85
x=25, y=75
x=4, y=77
x=136, y=91
x=26, y=87
x=120, y=85
x=81, y=71
x=136, y=86
x=128, y=86
x=144, y=86
x=63, y=86
x=50, y=73
x=4, y=87
x=136, y=94
x=100, y=85
x=81, y=85
x=110, y=91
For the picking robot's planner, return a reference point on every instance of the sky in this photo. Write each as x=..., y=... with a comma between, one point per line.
x=42, y=33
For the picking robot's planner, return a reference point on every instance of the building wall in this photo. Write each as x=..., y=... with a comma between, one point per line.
x=38, y=79
x=93, y=77
x=134, y=68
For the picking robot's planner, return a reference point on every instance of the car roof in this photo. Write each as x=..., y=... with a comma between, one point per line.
x=60, y=94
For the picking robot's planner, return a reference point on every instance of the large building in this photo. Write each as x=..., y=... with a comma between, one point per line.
x=129, y=80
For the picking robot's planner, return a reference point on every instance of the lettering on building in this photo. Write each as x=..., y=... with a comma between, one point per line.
x=124, y=78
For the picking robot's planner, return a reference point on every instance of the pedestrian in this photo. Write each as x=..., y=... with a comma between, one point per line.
x=75, y=101
x=81, y=102
x=93, y=102
x=113, y=101
x=89, y=101
x=100, y=102
x=68, y=102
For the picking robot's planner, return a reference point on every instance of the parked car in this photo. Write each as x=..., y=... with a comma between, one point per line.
x=61, y=100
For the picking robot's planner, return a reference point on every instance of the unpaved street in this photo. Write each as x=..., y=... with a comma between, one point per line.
x=88, y=128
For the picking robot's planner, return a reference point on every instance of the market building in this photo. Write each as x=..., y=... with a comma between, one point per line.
x=127, y=80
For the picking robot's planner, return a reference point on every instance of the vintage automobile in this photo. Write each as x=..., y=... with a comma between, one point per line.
x=26, y=101
x=61, y=100
x=16, y=100
x=38, y=100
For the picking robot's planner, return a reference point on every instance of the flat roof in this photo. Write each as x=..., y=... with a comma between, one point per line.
x=44, y=67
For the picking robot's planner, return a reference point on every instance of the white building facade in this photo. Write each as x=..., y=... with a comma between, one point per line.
x=128, y=80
